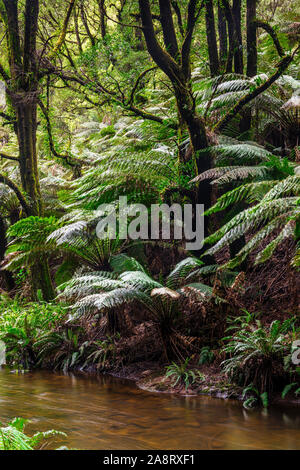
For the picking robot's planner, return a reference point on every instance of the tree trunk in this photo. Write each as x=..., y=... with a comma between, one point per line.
x=22, y=89
x=211, y=39
x=179, y=73
x=238, y=52
x=245, y=123
x=41, y=280
x=199, y=142
x=26, y=124
x=232, y=38
x=251, y=39
x=102, y=18
x=222, y=28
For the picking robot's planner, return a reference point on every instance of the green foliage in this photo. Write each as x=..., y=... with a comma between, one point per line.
x=22, y=325
x=269, y=109
x=182, y=375
x=206, y=356
x=61, y=349
x=9, y=203
x=120, y=121
x=103, y=354
x=138, y=162
x=258, y=352
x=79, y=241
x=13, y=437
x=30, y=241
x=254, y=398
x=109, y=130
x=276, y=208
x=100, y=292
x=289, y=387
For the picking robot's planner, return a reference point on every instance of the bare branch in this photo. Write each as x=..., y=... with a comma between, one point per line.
x=140, y=77
x=272, y=33
x=67, y=157
x=8, y=182
x=9, y=157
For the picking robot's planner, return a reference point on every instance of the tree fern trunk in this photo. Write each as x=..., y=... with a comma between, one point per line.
x=41, y=280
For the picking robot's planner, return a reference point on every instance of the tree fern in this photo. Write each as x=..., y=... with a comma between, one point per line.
x=132, y=163
x=107, y=291
x=30, y=241
x=249, y=192
x=287, y=231
x=80, y=240
x=257, y=239
x=277, y=207
x=249, y=219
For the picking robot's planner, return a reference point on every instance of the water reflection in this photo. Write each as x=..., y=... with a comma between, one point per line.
x=106, y=413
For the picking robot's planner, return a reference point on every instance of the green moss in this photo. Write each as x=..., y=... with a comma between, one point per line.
x=109, y=130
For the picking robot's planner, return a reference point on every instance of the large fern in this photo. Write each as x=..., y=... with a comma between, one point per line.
x=277, y=209
x=30, y=241
x=102, y=292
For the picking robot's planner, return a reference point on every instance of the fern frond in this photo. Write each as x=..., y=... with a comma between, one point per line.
x=249, y=219
x=287, y=231
x=241, y=152
x=139, y=280
x=249, y=192
x=213, y=173
x=289, y=186
x=255, y=241
x=109, y=300
x=241, y=173
x=181, y=270
x=121, y=263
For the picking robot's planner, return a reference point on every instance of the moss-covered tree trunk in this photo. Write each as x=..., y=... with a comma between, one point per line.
x=26, y=114
x=22, y=90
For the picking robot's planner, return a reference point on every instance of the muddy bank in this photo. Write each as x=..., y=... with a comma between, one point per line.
x=150, y=377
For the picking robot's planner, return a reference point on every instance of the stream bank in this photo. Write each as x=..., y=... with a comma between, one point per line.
x=148, y=376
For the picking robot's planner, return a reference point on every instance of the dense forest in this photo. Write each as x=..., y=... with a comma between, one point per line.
x=166, y=102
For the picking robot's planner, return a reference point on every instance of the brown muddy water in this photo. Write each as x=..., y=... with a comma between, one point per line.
x=101, y=412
